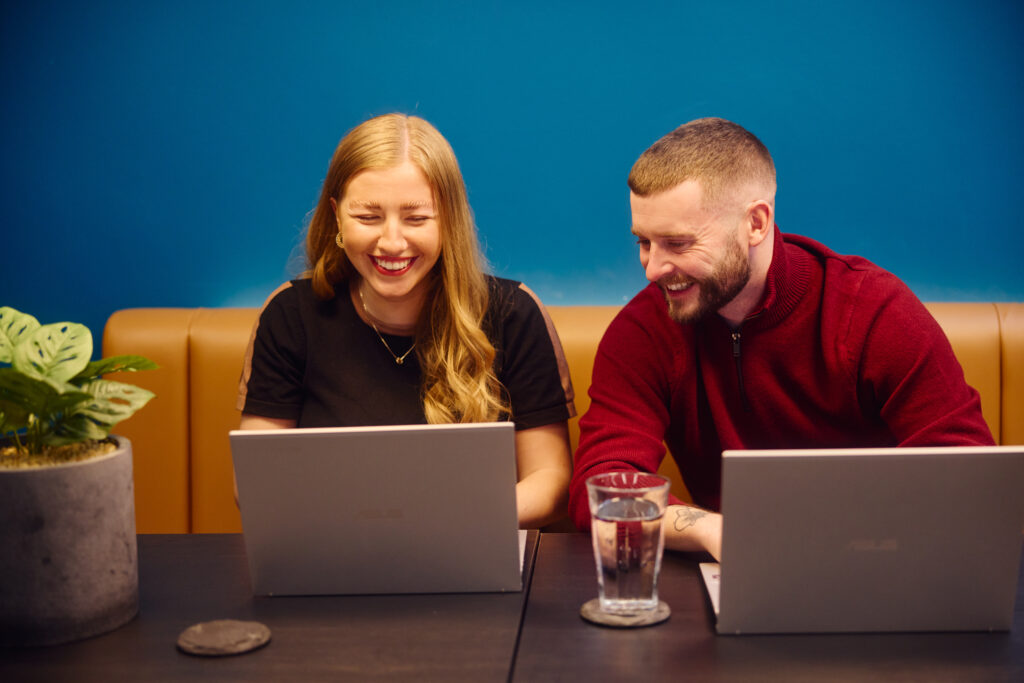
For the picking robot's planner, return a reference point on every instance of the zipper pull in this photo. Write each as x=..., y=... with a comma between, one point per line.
x=736, y=338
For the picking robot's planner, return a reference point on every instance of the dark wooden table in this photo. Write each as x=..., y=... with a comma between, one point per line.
x=557, y=645
x=186, y=579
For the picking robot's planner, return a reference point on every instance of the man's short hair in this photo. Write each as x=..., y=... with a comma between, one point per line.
x=720, y=154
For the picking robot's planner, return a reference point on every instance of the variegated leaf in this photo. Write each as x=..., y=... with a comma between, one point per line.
x=28, y=393
x=14, y=325
x=73, y=429
x=98, y=368
x=112, y=401
x=58, y=351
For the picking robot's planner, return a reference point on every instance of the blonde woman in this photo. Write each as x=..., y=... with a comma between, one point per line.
x=396, y=323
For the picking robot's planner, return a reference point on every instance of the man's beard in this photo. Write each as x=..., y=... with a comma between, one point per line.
x=730, y=276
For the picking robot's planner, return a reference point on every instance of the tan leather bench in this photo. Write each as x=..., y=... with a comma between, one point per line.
x=183, y=474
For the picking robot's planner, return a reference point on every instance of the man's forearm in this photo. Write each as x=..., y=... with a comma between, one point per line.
x=693, y=529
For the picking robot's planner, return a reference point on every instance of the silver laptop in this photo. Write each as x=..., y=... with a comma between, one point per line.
x=865, y=540
x=398, y=509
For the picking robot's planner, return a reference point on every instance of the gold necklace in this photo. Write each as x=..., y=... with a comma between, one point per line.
x=369, y=318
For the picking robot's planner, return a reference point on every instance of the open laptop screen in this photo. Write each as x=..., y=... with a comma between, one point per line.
x=900, y=539
x=399, y=509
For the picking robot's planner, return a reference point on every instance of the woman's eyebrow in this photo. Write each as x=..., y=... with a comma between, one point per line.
x=364, y=204
x=417, y=205
x=372, y=204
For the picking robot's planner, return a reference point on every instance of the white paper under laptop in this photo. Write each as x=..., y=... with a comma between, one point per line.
x=398, y=509
x=864, y=540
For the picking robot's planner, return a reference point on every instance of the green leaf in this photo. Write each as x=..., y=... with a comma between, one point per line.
x=112, y=401
x=73, y=429
x=58, y=351
x=22, y=396
x=63, y=403
x=27, y=393
x=14, y=325
x=98, y=368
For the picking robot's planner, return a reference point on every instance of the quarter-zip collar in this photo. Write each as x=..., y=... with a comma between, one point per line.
x=785, y=284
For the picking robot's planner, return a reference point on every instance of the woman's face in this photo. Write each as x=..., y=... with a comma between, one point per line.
x=392, y=237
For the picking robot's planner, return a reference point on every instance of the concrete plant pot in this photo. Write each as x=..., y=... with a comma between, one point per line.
x=68, y=559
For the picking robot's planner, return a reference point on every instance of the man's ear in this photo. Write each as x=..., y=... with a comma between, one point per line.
x=760, y=221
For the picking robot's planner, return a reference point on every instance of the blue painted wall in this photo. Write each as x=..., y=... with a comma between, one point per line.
x=168, y=153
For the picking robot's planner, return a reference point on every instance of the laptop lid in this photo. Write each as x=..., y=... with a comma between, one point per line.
x=397, y=509
x=864, y=540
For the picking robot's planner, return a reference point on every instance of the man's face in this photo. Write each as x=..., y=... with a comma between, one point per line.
x=694, y=255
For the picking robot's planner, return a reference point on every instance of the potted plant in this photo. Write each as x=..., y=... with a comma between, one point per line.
x=68, y=561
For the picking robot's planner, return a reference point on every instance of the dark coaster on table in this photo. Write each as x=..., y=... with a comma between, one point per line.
x=223, y=637
x=591, y=611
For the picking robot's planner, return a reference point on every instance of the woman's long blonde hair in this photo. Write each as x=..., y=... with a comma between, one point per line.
x=456, y=358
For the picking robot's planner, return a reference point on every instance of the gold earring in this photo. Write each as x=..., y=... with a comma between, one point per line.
x=339, y=241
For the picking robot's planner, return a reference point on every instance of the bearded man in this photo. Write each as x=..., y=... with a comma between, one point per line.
x=748, y=338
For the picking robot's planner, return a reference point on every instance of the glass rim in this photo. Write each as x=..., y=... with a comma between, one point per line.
x=662, y=481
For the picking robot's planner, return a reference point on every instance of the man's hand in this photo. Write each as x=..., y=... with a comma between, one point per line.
x=693, y=529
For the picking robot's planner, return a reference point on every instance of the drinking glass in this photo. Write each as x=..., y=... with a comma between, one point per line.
x=625, y=514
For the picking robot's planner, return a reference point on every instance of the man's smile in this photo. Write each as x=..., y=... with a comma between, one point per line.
x=678, y=287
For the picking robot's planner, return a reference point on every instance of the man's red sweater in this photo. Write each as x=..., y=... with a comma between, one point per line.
x=840, y=354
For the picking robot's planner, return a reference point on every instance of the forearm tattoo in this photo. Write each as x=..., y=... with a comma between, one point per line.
x=687, y=516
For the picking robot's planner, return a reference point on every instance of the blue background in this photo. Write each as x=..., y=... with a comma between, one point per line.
x=168, y=154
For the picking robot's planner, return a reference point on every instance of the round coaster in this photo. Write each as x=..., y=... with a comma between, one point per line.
x=223, y=637
x=591, y=611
